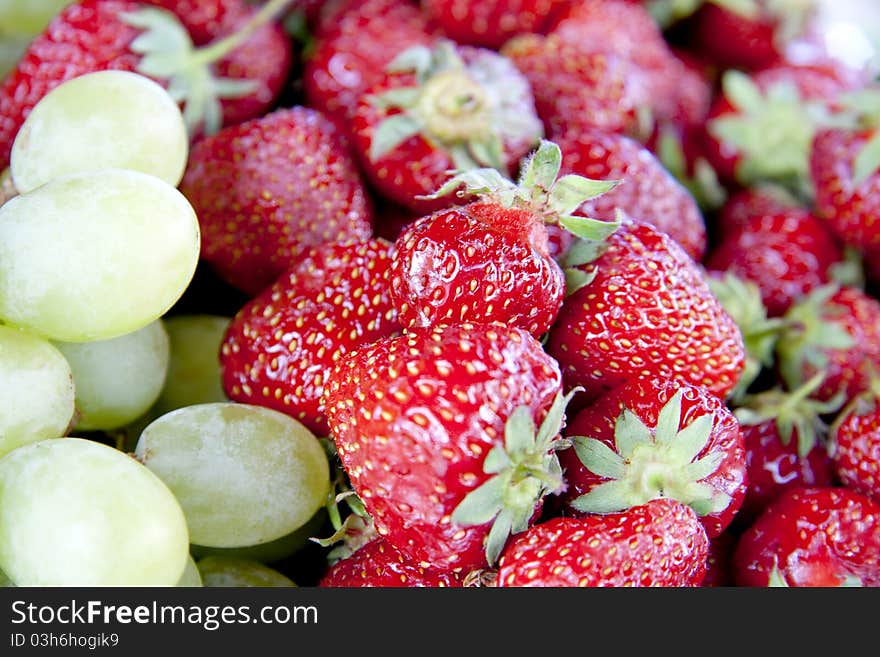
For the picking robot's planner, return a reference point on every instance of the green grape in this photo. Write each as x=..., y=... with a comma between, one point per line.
x=94, y=256
x=243, y=474
x=273, y=551
x=75, y=512
x=117, y=380
x=28, y=17
x=191, y=577
x=194, y=375
x=238, y=573
x=102, y=120
x=36, y=389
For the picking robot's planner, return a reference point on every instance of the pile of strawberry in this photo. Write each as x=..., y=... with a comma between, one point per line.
x=581, y=291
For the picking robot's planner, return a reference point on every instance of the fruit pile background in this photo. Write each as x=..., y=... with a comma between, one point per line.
x=440, y=293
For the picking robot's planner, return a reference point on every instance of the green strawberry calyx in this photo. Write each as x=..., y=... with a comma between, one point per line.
x=168, y=53
x=773, y=131
x=646, y=463
x=523, y=470
x=795, y=413
x=741, y=298
x=466, y=109
x=539, y=189
x=811, y=335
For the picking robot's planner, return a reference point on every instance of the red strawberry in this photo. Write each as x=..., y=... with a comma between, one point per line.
x=854, y=445
x=280, y=346
x=628, y=30
x=266, y=58
x=352, y=47
x=378, y=565
x=834, y=330
x=96, y=35
x=268, y=187
x=646, y=191
x=652, y=438
x=578, y=86
x=489, y=260
x=785, y=437
x=749, y=35
x=490, y=23
x=436, y=430
x=761, y=125
x=787, y=254
x=819, y=537
x=439, y=109
x=660, y=543
x=648, y=311
x=743, y=205
x=845, y=170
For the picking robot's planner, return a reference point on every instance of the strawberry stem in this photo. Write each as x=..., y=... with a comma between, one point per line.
x=217, y=50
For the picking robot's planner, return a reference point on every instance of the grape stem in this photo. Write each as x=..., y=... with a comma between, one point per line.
x=219, y=49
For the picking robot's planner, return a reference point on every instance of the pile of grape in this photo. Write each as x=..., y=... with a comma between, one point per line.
x=96, y=248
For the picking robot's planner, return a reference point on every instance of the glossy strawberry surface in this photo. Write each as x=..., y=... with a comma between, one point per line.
x=660, y=543
x=281, y=344
x=414, y=418
x=817, y=537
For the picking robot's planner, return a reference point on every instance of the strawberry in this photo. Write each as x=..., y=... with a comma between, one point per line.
x=268, y=187
x=743, y=205
x=281, y=344
x=818, y=536
x=491, y=23
x=786, y=254
x=644, y=308
x=652, y=438
x=96, y=35
x=834, y=330
x=854, y=444
x=437, y=432
x=628, y=30
x=748, y=35
x=660, y=543
x=378, y=565
x=576, y=85
x=785, y=437
x=761, y=126
x=646, y=191
x=443, y=108
x=845, y=170
x=489, y=260
x=353, y=45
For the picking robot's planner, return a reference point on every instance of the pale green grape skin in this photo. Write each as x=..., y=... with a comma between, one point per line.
x=273, y=551
x=94, y=256
x=75, y=512
x=191, y=577
x=28, y=17
x=36, y=389
x=194, y=374
x=244, y=474
x=119, y=379
x=240, y=573
x=101, y=120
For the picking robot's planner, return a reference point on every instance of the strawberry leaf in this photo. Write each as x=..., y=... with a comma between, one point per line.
x=482, y=504
x=598, y=457
x=542, y=167
x=391, y=133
